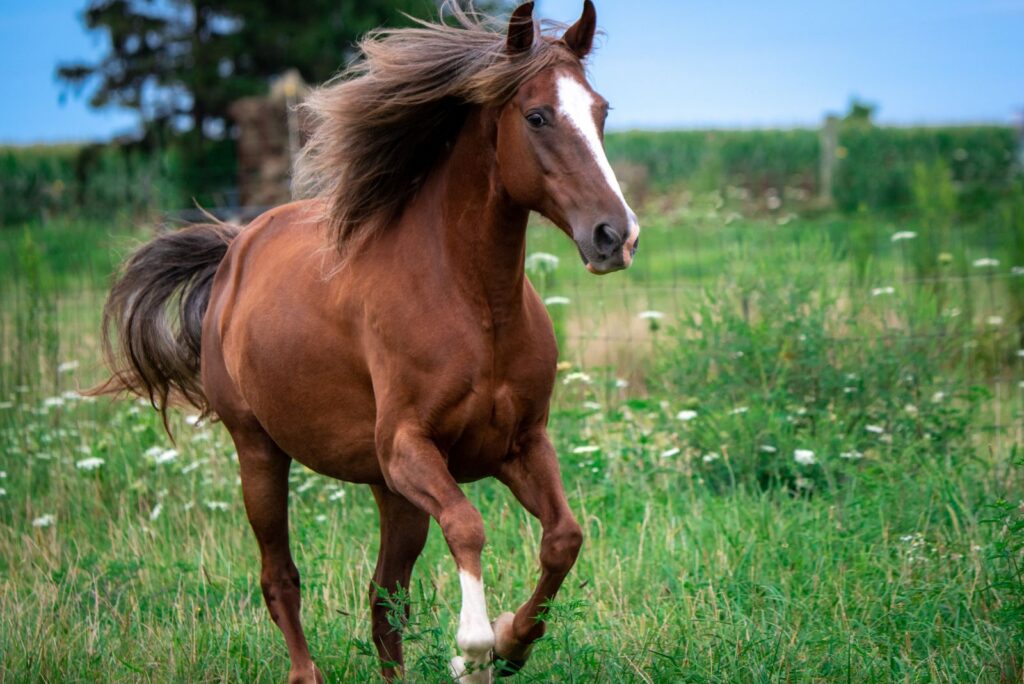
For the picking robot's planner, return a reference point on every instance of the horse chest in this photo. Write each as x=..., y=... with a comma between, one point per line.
x=485, y=432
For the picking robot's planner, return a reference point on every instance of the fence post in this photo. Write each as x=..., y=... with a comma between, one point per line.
x=1020, y=142
x=829, y=144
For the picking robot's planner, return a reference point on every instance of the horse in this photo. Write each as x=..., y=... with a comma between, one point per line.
x=382, y=330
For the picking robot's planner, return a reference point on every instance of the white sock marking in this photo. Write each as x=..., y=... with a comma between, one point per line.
x=475, y=636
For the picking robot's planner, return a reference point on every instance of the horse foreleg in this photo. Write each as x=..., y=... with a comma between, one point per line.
x=535, y=480
x=416, y=469
x=403, y=531
x=264, y=472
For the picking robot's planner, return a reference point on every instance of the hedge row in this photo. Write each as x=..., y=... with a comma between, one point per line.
x=99, y=180
x=875, y=166
x=875, y=170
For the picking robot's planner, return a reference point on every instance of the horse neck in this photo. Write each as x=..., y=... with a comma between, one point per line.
x=484, y=230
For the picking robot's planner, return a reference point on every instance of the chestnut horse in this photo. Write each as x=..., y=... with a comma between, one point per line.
x=383, y=331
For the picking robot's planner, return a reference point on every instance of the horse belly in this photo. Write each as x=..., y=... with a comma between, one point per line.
x=291, y=346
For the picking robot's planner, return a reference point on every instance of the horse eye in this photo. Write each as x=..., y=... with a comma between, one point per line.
x=536, y=119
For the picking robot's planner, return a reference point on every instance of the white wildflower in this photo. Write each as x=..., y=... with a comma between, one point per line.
x=875, y=429
x=621, y=384
x=1017, y=271
x=577, y=376
x=986, y=262
x=768, y=449
x=541, y=262
x=878, y=291
x=739, y=410
x=650, y=315
x=938, y=397
x=337, y=495
x=669, y=453
x=586, y=449
x=911, y=410
x=686, y=415
x=217, y=505
x=804, y=457
x=994, y=321
x=157, y=510
x=849, y=390
x=321, y=518
x=194, y=465
x=851, y=455
x=44, y=520
x=804, y=483
x=164, y=456
x=50, y=402
x=89, y=463
x=3, y=474
x=710, y=457
x=67, y=366
x=557, y=300
x=3, y=492
x=903, y=235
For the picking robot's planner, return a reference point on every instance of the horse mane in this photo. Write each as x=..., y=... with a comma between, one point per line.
x=380, y=126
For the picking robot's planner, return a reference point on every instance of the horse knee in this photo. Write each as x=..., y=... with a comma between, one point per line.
x=463, y=529
x=561, y=546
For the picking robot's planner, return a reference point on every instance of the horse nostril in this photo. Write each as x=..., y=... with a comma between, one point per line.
x=606, y=240
x=636, y=246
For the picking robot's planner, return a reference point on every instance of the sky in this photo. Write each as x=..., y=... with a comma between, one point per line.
x=661, y=63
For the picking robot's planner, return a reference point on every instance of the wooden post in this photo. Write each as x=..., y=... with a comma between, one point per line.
x=1020, y=142
x=829, y=146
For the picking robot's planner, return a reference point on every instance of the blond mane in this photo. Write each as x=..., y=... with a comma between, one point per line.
x=379, y=127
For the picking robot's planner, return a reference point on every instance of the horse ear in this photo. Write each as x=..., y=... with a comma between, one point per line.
x=520, y=29
x=580, y=36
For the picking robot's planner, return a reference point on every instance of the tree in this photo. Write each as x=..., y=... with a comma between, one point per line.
x=181, y=63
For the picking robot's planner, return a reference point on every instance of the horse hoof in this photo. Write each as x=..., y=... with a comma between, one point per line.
x=306, y=677
x=507, y=668
x=461, y=673
x=509, y=655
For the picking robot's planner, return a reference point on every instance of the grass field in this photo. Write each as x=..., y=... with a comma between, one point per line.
x=792, y=447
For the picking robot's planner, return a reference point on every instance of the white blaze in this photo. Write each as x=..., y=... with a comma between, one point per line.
x=576, y=105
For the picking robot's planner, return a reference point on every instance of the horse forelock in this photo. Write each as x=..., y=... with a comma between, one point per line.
x=378, y=128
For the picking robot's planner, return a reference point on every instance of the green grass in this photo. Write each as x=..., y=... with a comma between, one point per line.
x=708, y=557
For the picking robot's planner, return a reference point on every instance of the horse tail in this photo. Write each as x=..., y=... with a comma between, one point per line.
x=153, y=317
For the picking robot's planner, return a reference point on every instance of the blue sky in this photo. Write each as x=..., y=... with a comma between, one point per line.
x=662, y=63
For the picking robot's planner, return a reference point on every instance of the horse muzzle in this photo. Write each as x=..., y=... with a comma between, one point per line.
x=607, y=249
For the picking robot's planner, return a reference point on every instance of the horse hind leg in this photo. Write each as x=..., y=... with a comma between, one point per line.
x=403, y=532
x=264, y=472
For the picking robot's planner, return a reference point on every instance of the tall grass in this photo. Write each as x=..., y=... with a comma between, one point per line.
x=785, y=470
